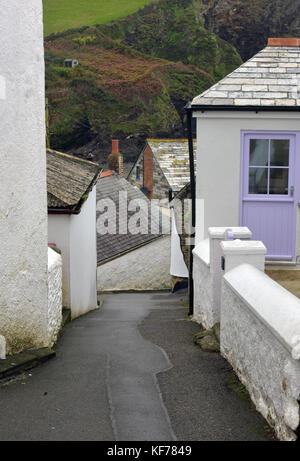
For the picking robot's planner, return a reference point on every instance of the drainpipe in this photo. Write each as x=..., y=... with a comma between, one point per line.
x=189, y=112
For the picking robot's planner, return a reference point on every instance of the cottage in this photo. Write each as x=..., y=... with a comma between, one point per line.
x=72, y=226
x=130, y=257
x=162, y=168
x=248, y=146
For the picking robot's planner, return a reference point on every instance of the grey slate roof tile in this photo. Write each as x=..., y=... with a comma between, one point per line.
x=270, y=78
x=111, y=246
x=68, y=179
x=172, y=156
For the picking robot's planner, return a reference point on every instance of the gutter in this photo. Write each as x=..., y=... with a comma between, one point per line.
x=207, y=108
x=189, y=111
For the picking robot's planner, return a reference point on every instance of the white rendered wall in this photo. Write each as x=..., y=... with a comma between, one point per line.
x=203, y=285
x=83, y=258
x=146, y=268
x=59, y=233
x=218, y=161
x=23, y=200
x=178, y=266
x=260, y=337
x=54, y=295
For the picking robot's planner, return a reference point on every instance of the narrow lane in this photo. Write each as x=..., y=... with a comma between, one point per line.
x=129, y=371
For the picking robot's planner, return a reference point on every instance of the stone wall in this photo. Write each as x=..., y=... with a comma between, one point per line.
x=159, y=183
x=260, y=337
x=146, y=268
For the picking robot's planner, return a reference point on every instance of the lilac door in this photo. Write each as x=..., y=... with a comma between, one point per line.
x=267, y=191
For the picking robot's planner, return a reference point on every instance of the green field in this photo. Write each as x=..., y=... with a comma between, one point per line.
x=61, y=15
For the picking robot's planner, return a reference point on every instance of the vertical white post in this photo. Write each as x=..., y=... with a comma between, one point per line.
x=23, y=198
x=242, y=252
x=216, y=235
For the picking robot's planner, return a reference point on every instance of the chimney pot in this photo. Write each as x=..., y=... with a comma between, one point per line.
x=284, y=42
x=115, y=146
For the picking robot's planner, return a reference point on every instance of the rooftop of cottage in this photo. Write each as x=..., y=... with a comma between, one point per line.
x=69, y=179
x=110, y=246
x=172, y=156
x=270, y=79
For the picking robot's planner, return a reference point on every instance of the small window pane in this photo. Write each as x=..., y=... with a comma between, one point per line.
x=280, y=150
x=279, y=181
x=258, y=180
x=259, y=150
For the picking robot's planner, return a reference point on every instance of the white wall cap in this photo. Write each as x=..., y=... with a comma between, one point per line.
x=202, y=251
x=273, y=305
x=238, y=232
x=54, y=259
x=243, y=247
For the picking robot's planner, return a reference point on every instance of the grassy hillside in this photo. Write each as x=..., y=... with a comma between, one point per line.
x=61, y=15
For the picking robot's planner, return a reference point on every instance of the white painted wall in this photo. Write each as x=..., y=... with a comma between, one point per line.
x=178, y=266
x=260, y=337
x=54, y=295
x=23, y=200
x=83, y=258
x=218, y=161
x=59, y=233
x=146, y=268
x=75, y=236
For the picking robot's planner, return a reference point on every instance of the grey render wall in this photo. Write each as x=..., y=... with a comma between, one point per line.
x=83, y=258
x=146, y=268
x=59, y=234
x=75, y=236
x=23, y=200
x=218, y=161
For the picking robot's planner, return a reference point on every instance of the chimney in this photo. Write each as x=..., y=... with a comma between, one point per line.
x=148, y=171
x=295, y=42
x=115, y=159
x=115, y=146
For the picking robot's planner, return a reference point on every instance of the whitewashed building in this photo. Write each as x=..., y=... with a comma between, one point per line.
x=248, y=150
x=27, y=319
x=72, y=227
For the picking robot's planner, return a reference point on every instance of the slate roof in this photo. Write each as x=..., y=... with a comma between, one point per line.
x=111, y=246
x=270, y=79
x=172, y=156
x=68, y=180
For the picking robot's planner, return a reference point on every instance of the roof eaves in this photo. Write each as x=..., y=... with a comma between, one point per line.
x=129, y=250
x=205, y=107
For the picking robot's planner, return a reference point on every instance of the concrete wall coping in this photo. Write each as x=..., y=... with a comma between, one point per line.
x=272, y=304
x=202, y=251
x=241, y=247
x=238, y=232
x=54, y=259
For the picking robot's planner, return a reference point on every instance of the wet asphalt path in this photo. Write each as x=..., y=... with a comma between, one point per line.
x=130, y=372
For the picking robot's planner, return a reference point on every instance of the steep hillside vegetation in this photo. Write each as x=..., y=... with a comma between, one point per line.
x=115, y=91
x=178, y=29
x=247, y=24
x=61, y=15
x=175, y=30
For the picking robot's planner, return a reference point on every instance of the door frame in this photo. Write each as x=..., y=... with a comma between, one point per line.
x=295, y=137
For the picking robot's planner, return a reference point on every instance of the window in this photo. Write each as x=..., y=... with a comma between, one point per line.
x=269, y=166
x=138, y=173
